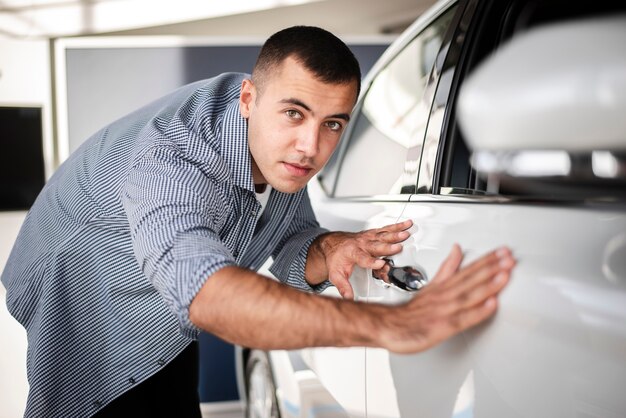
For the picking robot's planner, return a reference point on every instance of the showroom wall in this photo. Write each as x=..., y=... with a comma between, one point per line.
x=25, y=80
x=24, y=84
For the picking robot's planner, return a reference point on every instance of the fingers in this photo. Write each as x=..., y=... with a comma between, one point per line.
x=474, y=284
x=400, y=226
x=486, y=266
x=471, y=287
x=450, y=265
x=367, y=260
x=473, y=316
x=488, y=276
x=383, y=272
x=380, y=249
x=389, y=236
x=392, y=233
x=379, y=243
x=458, y=301
x=342, y=284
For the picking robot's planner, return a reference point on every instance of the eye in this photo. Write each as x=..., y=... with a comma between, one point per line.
x=333, y=125
x=293, y=114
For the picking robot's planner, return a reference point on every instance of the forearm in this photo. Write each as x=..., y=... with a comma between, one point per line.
x=247, y=309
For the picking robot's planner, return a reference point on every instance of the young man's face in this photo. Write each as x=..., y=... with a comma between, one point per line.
x=294, y=124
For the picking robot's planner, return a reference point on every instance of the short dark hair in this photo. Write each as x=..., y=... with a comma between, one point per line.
x=321, y=52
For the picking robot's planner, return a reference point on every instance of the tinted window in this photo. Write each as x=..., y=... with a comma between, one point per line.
x=554, y=174
x=392, y=120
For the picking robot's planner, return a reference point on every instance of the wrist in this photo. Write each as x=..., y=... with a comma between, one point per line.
x=315, y=271
x=320, y=250
x=374, y=326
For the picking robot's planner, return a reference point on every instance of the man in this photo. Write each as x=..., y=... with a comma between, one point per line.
x=152, y=231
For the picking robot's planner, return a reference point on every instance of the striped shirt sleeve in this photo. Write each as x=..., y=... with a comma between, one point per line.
x=175, y=227
x=291, y=253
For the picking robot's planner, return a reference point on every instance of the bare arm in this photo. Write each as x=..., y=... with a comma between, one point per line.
x=248, y=309
x=245, y=308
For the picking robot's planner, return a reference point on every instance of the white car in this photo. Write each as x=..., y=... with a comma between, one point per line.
x=523, y=147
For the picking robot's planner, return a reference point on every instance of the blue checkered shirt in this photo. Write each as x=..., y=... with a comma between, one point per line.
x=127, y=231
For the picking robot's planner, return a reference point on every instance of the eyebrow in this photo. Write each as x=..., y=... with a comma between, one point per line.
x=298, y=102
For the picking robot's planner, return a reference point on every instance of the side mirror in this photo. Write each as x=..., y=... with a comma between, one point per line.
x=560, y=87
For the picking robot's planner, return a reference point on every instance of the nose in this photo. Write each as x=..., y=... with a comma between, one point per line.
x=307, y=142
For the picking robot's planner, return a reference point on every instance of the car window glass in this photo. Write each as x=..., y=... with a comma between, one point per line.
x=584, y=175
x=392, y=120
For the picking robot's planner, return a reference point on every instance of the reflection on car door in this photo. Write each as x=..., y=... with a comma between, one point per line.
x=424, y=384
x=557, y=345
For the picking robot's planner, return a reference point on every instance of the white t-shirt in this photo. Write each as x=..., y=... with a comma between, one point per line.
x=263, y=198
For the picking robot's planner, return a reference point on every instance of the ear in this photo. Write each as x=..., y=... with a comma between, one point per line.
x=246, y=97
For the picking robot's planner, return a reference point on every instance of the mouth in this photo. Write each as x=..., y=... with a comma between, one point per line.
x=297, y=169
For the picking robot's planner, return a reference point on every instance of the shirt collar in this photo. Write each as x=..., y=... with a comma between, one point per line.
x=235, y=148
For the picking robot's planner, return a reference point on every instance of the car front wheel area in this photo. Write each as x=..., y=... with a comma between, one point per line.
x=261, y=390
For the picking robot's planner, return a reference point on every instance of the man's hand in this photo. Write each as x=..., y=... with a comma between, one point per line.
x=455, y=300
x=335, y=254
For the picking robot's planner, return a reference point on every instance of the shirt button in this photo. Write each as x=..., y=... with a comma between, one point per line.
x=161, y=362
x=97, y=404
x=131, y=381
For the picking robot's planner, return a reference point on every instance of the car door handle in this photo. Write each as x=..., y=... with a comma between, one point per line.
x=407, y=278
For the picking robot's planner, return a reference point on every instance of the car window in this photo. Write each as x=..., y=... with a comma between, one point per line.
x=556, y=175
x=391, y=120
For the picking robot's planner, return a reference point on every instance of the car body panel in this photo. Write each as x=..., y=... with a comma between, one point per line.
x=342, y=370
x=557, y=346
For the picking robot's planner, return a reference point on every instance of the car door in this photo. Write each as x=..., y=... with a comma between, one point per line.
x=388, y=376
x=557, y=344
x=370, y=178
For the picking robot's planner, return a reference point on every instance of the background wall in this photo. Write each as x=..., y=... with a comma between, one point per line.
x=24, y=81
x=102, y=79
